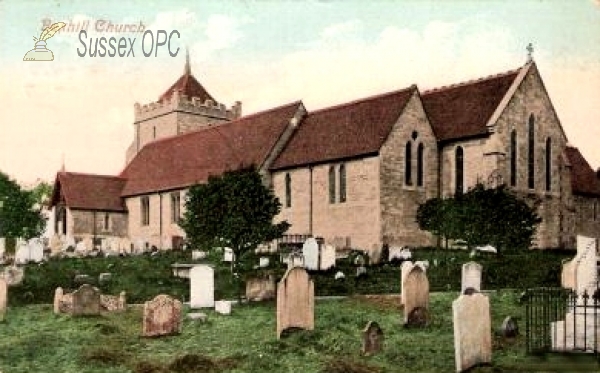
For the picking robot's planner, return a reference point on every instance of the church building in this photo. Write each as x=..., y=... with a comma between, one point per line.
x=354, y=173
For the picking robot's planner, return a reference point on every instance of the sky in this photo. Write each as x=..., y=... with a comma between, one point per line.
x=78, y=110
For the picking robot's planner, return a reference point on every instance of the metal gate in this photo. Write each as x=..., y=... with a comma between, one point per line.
x=560, y=320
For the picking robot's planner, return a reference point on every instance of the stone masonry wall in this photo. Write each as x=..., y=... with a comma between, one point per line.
x=399, y=202
x=84, y=221
x=587, y=216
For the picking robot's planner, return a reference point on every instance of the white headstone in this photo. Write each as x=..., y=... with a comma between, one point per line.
x=36, y=250
x=471, y=277
x=472, y=331
x=223, y=307
x=399, y=253
x=202, y=287
x=227, y=255
x=21, y=252
x=263, y=262
x=310, y=251
x=327, y=257
x=198, y=254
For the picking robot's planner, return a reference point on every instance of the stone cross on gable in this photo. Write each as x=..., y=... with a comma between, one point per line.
x=529, y=52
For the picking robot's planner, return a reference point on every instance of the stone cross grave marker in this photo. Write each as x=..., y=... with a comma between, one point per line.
x=3, y=298
x=404, y=270
x=327, y=257
x=295, y=301
x=162, y=316
x=416, y=300
x=202, y=287
x=472, y=331
x=86, y=301
x=372, y=338
x=471, y=277
x=310, y=251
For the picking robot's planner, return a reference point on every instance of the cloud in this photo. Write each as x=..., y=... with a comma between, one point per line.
x=220, y=32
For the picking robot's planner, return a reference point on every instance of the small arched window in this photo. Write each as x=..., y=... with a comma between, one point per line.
x=420, y=150
x=288, y=190
x=548, y=164
x=513, y=158
x=459, y=170
x=531, y=153
x=342, y=172
x=408, y=164
x=331, y=184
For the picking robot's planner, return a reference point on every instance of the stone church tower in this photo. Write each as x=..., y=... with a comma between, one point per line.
x=186, y=106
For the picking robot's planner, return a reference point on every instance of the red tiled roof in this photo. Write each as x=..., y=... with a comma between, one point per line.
x=89, y=192
x=584, y=180
x=189, y=86
x=462, y=110
x=180, y=161
x=343, y=131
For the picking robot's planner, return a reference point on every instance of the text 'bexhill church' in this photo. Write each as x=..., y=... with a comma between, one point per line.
x=353, y=174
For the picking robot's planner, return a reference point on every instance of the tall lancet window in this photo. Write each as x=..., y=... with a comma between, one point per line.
x=342, y=172
x=513, y=158
x=420, y=150
x=331, y=184
x=548, y=164
x=408, y=164
x=288, y=190
x=459, y=170
x=531, y=153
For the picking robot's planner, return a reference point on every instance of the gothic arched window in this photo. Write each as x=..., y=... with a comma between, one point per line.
x=342, y=172
x=459, y=170
x=288, y=190
x=331, y=184
x=420, y=150
x=513, y=158
x=548, y=164
x=408, y=164
x=531, y=153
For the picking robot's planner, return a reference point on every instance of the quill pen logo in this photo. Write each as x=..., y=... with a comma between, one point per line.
x=40, y=52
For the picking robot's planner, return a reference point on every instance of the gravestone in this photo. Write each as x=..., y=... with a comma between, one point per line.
x=295, y=301
x=404, y=270
x=424, y=264
x=162, y=316
x=223, y=307
x=263, y=262
x=416, y=299
x=509, y=328
x=471, y=276
x=198, y=254
x=328, y=256
x=310, y=251
x=86, y=301
x=472, y=331
x=58, y=294
x=202, y=287
x=260, y=288
x=2, y=246
x=13, y=275
x=228, y=255
x=372, y=339
x=3, y=298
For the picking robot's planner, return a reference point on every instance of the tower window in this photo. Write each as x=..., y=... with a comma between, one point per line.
x=288, y=190
x=408, y=164
x=513, y=158
x=459, y=170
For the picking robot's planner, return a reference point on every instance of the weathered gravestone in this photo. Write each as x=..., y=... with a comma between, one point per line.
x=328, y=256
x=260, y=288
x=295, y=301
x=372, y=338
x=3, y=298
x=86, y=301
x=471, y=277
x=416, y=299
x=58, y=296
x=310, y=251
x=202, y=287
x=404, y=270
x=162, y=316
x=472, y=331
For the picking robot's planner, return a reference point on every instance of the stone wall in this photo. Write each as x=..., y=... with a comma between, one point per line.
x=399, y=201
x=89, y=223
x=587, y=213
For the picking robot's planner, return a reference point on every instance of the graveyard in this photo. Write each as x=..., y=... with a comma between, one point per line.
x=140, y=314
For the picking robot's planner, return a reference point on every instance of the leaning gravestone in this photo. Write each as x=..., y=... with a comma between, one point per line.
x=162, y=316
x=328, y=256
x=3, y=298
x=472, y=331
x=416, y=300
x=471, y=277
x=202, y=287
x=86, y=301
x=310, y=251
x=404, y=270
x=295, y=301
x=372, y=338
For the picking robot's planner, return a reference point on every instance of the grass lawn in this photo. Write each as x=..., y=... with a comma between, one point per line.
x=33, y=339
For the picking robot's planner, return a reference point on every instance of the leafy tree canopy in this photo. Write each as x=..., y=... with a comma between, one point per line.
x=19, y=215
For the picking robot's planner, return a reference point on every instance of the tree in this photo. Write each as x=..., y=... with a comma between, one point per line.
x=19, y=215
x=234, y=210
x=482, y=216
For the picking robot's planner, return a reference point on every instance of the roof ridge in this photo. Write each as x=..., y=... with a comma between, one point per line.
x=471, y=81
x=364, y=99
x=89, y=174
